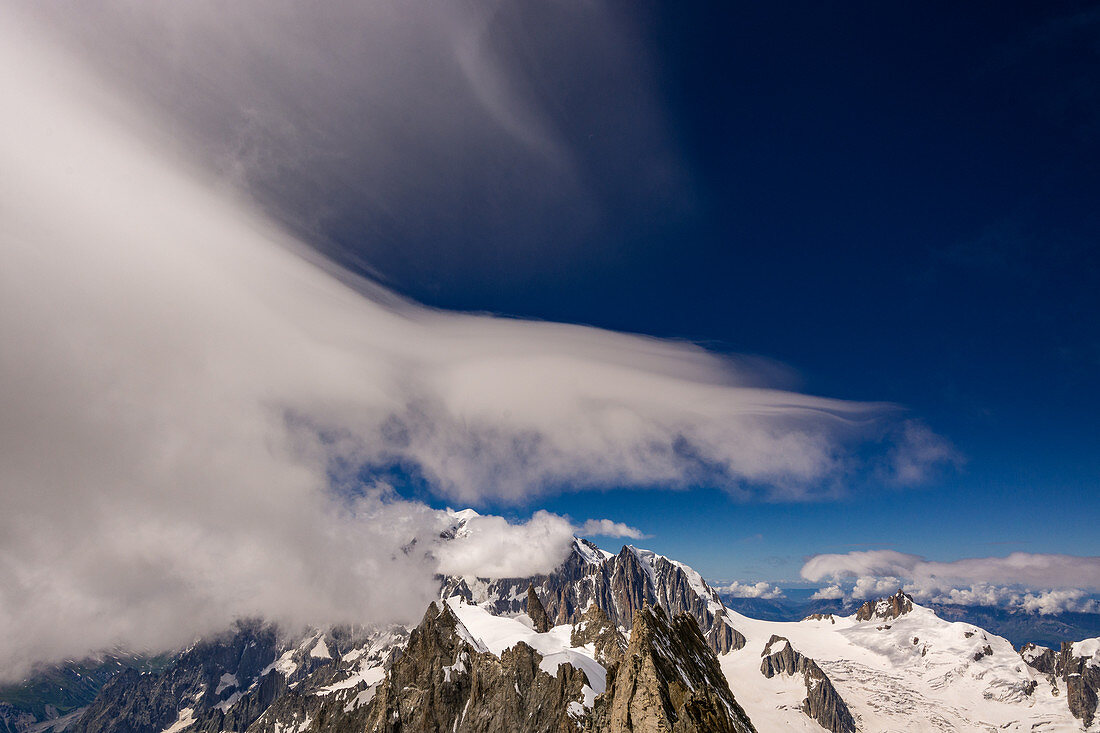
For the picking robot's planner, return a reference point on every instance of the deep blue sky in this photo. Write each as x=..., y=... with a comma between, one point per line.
x=901, y=202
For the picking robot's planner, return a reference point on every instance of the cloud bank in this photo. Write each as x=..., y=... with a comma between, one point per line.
x=192, y=403
x=1038, y=583
x=607, y=528
x=750, y=590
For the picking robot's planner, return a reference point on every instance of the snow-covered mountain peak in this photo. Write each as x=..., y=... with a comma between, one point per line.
x=463, y=515
x=589, y=552
x=458, y=527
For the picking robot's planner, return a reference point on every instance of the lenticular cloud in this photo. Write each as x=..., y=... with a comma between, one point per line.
x=145, y=312
x=186, y=394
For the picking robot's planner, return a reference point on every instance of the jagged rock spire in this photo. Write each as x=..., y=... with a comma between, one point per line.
x=668, y=681
x=886, y=608
x=596, y=628
x=823, y=703
x=536, y=611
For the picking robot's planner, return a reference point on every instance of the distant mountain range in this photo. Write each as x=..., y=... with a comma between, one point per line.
x=621, y=642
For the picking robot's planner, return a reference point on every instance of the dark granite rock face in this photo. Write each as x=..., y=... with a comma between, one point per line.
x=135, y=702
x=248, y=709
x=1040, y=658
x=779, y=657
x=1082, y=683
x=823, y=703
x=885, y=608
x=1081, y=679
x=443, y=682
x=722, y=637
x=668, y=681
x=536, y=611
x=596, y=628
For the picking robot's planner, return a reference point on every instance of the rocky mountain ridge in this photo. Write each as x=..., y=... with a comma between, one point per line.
x=494, y=653
x=823, y=703
x=1077, y=667
x=668, y=679
x=620, y=584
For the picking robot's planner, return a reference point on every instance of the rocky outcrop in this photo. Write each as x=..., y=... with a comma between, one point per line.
x=1082, y=679
x=823, y=703
x=821, y=617
x=668, y=681
x=779, y=657
x=536, y=611
x=619, y=584
x=445, y=681
x=596, y=628
x=248, y=708
x=885, y=608
x=1079, y=674
x=1040, y=658
x=722, y=637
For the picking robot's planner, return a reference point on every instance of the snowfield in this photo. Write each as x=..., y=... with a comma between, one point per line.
x=913, y=673
x=497, y=633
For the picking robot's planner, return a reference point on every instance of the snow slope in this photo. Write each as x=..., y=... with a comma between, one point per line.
x=913, y=673
x=497, y=633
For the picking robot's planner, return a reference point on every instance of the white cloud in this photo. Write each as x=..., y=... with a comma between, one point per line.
x=1023, y=568
x=1059, y=601
x=490, y=547
x=869, y=587
x=979, y=594
x=1043, y=602
x=828, y=593
x=608, y=528
x=1040, y=583
x=860, y=563
x=918, y=451
x=750, y=590
x=183, y=386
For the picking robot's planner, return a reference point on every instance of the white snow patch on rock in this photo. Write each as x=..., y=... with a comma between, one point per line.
x=320, y=650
